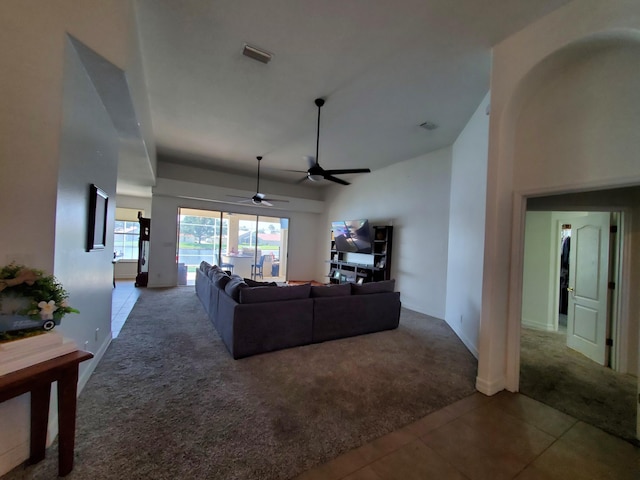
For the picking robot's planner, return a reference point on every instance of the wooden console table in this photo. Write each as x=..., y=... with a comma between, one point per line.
x=37, y=379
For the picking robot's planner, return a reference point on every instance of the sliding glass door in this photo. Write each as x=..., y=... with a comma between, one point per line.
x=251, y=246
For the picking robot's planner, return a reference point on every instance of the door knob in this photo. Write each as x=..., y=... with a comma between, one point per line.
x=569, y=289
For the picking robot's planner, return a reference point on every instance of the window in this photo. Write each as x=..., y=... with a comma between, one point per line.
x=249, y=245
x=126, y=234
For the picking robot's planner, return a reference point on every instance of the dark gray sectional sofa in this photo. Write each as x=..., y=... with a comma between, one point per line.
x=258, y=319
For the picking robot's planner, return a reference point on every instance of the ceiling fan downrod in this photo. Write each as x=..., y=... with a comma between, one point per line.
x=258, y=179
x=319, y=103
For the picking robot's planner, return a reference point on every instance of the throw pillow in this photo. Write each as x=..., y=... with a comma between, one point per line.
x=373, y=287
x=341, y=290
x=274, y=294
x=221, y=279
x=212, y=271
x=233, y=288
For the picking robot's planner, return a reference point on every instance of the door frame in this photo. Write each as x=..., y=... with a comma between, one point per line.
x=619, y=350
x=620, y=303
x=603, y=352
x=514, y=308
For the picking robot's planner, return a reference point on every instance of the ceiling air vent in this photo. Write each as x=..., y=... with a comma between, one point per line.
x=429, y=125
x=256, y=54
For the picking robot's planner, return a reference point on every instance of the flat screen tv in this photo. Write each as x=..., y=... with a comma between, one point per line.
x=352, y=236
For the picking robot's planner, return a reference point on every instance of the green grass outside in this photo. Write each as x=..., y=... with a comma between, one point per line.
x=213, y=247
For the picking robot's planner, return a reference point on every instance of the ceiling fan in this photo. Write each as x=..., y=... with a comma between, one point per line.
x=316, y=172
x=259, y=198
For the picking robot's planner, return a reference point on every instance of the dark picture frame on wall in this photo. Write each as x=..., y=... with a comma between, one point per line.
x=97, y=228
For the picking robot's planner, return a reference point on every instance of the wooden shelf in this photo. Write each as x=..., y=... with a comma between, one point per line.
x=342, y=271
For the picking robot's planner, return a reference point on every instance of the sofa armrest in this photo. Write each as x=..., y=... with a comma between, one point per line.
x=203, y=288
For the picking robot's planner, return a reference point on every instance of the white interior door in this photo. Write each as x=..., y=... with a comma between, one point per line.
x=588, y=279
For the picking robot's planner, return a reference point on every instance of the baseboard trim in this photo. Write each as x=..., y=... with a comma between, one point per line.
x=490, y=388
x=470, y=346
x=14, y=457
x=545, y=327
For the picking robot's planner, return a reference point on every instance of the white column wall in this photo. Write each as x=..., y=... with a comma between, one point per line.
x=518, y=162
x=466, y=227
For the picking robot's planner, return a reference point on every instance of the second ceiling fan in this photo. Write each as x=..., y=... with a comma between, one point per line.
x=316, y=172
x=259, y=198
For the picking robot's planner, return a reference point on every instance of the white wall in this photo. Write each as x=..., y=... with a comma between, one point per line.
x=466, y=227
x=541, y=267
x=540, y=251
x=136, y=203
x=539, y=272
x=559, y=122
x=413, y=196
x=591, y=110
x=32, y=42
x=89, y=147
x=36, y=152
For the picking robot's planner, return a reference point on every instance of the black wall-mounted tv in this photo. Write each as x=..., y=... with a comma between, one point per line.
x=352, y=236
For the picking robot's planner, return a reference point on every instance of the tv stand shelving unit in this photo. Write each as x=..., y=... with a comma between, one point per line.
x=379, y=265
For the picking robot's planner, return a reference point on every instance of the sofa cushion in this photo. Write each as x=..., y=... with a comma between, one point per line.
x=204, y=265
x=373, y=287
x=234, y=286
x=253, y=283
x=211, y=272
x=340, y=290
x=273, y=294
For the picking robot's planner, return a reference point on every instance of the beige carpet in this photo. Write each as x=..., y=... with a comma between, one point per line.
x=168, y=402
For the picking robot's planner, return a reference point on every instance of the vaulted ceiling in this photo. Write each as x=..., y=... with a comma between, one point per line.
x=384, y=67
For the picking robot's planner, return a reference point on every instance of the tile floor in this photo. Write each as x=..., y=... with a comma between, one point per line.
x=507, y=436
x=123, y=299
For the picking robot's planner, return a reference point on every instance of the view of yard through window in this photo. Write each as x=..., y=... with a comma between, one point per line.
x=126, y=234
x=239, y=242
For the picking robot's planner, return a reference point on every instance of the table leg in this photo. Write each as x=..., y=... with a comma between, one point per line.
x=39, y=421
x=67, y=388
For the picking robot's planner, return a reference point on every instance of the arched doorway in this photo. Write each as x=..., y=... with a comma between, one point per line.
x=564, y=103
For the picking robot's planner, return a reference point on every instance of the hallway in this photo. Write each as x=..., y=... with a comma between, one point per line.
x=123, y=298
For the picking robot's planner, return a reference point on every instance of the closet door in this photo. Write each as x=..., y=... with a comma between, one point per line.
x=588, y=281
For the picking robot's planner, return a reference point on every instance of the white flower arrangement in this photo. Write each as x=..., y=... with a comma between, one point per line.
x=29, y=292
